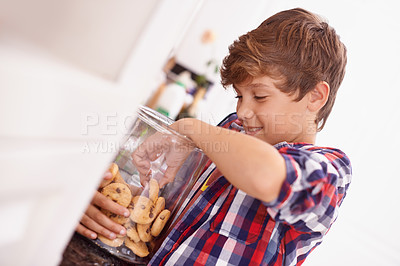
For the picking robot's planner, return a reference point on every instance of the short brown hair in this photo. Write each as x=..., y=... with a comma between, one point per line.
x=295, y=46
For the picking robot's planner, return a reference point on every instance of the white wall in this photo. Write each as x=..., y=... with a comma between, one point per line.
x=364, y=122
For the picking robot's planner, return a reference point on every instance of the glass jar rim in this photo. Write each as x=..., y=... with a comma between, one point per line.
x=161, y=123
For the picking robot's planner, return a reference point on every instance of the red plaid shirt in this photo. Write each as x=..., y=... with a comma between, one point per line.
x=225, y=226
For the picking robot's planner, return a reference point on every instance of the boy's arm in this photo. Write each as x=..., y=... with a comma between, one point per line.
x=316, y=183
x=250, y=164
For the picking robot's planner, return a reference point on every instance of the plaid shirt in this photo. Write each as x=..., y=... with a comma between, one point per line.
x=225, y=226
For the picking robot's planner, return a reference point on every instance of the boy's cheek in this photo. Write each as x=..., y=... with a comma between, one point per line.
x=279, y=125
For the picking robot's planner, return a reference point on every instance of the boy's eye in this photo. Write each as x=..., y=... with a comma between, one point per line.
x=238, y=97
x=259, y=97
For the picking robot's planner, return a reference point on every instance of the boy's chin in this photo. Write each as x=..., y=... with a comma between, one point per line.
x=261, y=136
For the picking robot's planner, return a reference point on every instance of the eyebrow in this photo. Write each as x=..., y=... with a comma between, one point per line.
x=254, y=86
x=259, y=85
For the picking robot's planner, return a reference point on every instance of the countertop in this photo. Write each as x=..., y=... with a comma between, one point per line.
x=82, y=251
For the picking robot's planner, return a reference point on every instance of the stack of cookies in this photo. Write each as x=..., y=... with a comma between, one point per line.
x=148, y=215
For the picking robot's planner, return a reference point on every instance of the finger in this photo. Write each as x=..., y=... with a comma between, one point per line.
x=80, y=229
x=107, y=179
x=105, y=203
x=107, y=175
x=100, y=223
x=169, y=175
x=151, y=148
x=88, y=225
x=155, y=154
x=144, y=179
x=144, y=168
x=142, y=164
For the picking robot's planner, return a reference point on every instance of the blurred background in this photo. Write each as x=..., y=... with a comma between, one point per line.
x=72, y=74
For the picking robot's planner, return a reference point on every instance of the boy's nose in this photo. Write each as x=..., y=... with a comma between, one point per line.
x=244, y=113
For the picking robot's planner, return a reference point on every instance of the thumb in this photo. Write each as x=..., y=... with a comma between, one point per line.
x=169, y=175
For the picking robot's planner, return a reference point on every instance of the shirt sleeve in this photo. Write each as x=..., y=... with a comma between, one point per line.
x=316, y=183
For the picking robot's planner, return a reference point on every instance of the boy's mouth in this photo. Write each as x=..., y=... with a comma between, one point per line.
x=252, y=130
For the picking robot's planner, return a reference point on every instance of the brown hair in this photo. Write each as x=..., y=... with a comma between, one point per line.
x=294, y=46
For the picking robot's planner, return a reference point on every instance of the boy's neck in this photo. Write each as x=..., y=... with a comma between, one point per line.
x=306, y=138
x=309, y=134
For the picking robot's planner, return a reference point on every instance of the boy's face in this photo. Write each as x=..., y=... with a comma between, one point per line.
x=271, y=115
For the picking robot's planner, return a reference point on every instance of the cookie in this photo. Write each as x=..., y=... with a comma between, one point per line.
x=115, y=217
x=160, y=222
x=116, y=242
x=142, y=212
x=159, y=206
x=113, y=170
x=118, y=193
x=144, y=232
x=154, y=189
x=139, y=248
x=119, y=179
x=131, y=231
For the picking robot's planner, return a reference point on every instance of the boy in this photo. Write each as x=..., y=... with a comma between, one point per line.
x=272, y=196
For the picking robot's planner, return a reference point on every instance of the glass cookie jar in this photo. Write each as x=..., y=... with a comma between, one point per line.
x=153, y=202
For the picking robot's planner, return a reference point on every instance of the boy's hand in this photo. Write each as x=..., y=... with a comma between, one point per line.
x=94, y=222
x=149, y=158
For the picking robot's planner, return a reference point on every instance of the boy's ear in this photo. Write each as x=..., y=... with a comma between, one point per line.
x=318, y=97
